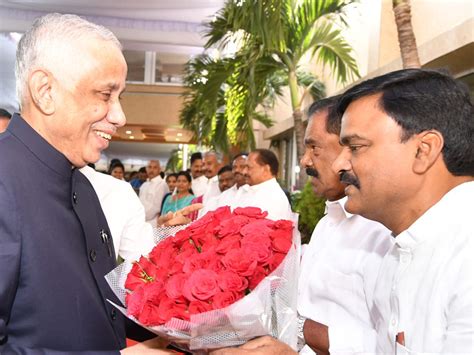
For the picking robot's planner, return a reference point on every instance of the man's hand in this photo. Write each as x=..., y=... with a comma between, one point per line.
x=179, y=217
x=260, y=346
x=152, y=346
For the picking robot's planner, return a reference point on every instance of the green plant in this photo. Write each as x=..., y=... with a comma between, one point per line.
x=310, y=208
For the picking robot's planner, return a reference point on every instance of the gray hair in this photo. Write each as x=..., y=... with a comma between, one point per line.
x=43, y=40
x=213, y=153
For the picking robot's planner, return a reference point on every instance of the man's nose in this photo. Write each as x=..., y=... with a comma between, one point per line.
x=343, y=161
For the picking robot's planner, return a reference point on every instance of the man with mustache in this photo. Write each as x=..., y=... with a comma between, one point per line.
x=409, y=156
x=340, y=265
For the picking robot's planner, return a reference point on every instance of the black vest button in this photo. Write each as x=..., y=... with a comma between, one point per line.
x=93, y=255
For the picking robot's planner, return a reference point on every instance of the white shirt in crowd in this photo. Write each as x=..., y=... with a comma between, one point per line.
x=212, y=189
x=151, y=196
x=199, y=185
x=132, y=236
x=425, y=285
x=338, y=273
x=268, y=196
x=224, y=199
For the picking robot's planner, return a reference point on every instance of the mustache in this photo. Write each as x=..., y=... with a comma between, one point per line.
x=349, y=179
x=312, y=172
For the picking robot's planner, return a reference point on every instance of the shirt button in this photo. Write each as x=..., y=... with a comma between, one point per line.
x=113, y=314
x=93, y=255
x=405, y=259
x=74, y=197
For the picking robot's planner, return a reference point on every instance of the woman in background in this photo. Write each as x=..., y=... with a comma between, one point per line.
x=183, y=195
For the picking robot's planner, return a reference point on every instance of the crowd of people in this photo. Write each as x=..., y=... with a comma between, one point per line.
x=388, y=270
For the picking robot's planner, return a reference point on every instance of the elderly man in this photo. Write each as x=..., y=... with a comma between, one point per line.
x=263, y=190
x=55, y=243
x=152, y=192
x=408, y=163
x=199, y=183
x=212, y=164
x=5, y=117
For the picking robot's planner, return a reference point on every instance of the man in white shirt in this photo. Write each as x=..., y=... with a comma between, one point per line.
x=132, y=236
x=227, y=197
x=212, y=164
x=408, y=163
x=152, y=192
x=263, y=190
x=199, y=182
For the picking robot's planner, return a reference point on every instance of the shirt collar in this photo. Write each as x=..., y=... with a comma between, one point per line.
x=338, y=205
x=272, y=181
x=39, y=147
x=424, y=227
x=156, y=178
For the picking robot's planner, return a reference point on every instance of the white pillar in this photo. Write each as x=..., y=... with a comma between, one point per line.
x=185, y=157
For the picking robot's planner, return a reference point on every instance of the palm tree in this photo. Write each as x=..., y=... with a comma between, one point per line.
x=406, y=37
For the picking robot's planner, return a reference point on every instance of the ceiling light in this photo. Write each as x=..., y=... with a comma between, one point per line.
x=132, y=137
x=179, y=134
x=128, y=132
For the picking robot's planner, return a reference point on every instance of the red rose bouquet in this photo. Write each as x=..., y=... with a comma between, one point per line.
x=222, y=280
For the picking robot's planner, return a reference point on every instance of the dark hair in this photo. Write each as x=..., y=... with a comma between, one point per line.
x=195, y=156
x=419, y=100
x=267, y=157
x=171, y=175
x=241, y=154
x=333, y=121
x=185, y=174
x=142, y=170
x=116, y=164
x=224, y=169
x=162, y=174
x=5, y=113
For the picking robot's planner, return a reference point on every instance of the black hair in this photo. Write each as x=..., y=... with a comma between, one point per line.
x=142, y=170
x=185, y=174
x=196, y=156
x=241, y=154
x=116, y=164
x=267, y=157
x=421, y=99
x=224, y=169
x=171, y=175
x=333, y=121
x=5, y=113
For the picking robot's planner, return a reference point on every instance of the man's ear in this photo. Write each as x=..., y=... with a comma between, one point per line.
x=40, y=86
x=429, y=147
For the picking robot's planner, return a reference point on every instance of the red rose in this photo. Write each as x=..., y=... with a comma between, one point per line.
x=230, y=281
x=224, y=299
x=253, y=212
x=143, y=271
x=174, y=286
x=259, y=274
x=262, y=252
x=150, y=314
x=222, y=213
x=281, y=245
x=240, y=261
x=256, y=229
x=284, y=224
x=276, y=260
x=135, y=301
x=228, y=243
x=205, y=260
x=196, y=307
x=231, y=225
x=201, y=285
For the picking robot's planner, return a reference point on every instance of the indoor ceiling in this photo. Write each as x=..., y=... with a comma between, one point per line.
x=171, y=28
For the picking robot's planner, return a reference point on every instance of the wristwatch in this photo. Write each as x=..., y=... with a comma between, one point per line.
x=301, y=341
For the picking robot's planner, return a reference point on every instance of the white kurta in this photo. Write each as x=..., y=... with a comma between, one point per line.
x=125, y=215
x=151, y=195
x=212, y=189
x=268, y=196
x=224, y=199
x=425, y=287
x=199, y=185
x=338, y=273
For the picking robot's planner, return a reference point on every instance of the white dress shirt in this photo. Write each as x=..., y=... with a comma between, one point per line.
x=212, y=189
x=268, y=196
x=151, y=195
x=338, y=273
x=199, y=185
x=425, y=285
x=125, y=215
x=224, y=199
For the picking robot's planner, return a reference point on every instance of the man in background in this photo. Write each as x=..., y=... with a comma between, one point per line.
x=5, y=117
x=212, y=164
x=263, y=190
x=199, y=183
x=152, y=192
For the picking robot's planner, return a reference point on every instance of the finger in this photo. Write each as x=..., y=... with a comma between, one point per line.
x=259, y=342
x=191, y=208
